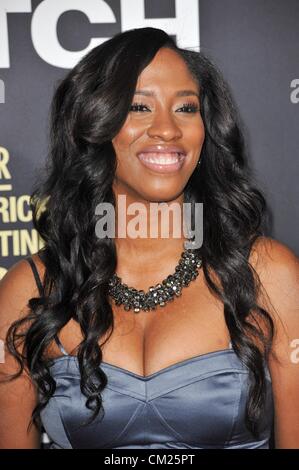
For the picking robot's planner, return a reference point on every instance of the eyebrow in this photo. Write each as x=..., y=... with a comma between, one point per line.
x=179, y=93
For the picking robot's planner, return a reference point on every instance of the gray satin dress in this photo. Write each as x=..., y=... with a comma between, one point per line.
x=197, y=403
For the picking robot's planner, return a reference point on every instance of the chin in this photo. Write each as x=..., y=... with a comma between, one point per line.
x=161, y=196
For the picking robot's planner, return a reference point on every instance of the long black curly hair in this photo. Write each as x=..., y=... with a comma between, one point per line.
x=89, y=107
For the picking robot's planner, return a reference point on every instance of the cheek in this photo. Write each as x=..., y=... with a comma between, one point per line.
x=126, y=138
x=196, y=135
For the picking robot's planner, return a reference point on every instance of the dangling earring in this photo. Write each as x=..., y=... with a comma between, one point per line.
x=198, y=163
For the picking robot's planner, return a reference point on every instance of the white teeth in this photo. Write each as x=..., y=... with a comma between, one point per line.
x=165, y=159
x=161, y=161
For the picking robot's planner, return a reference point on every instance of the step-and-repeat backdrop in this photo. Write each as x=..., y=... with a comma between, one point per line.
x=254, y=42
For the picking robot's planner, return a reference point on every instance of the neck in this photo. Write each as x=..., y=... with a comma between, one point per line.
x=148, y=242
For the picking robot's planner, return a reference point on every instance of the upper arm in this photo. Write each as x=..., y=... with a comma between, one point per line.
x=18, y=397
x=278, y=269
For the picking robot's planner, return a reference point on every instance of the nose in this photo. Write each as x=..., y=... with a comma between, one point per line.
x=163, y=126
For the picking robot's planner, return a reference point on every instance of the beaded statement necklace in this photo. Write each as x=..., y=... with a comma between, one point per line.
x=186, y=271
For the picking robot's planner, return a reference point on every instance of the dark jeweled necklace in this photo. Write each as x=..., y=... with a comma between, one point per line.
x=186, y=271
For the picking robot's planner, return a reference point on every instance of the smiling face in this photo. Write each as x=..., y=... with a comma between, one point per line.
x=159, y=145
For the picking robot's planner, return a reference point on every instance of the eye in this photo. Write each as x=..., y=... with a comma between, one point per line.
x=189, y=108
x=139, y=108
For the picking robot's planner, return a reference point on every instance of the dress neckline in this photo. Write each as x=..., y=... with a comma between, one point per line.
x=154, y=374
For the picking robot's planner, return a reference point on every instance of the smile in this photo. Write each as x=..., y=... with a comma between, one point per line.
x=162, y=162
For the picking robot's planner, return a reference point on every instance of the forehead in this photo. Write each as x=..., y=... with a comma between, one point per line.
x=167, y=69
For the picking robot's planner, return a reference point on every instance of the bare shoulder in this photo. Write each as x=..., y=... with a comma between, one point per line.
x=18, y=397
x=16, y=288
x=268, y=253
x=277, y=267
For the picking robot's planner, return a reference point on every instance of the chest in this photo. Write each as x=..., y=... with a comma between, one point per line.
x=147, y=342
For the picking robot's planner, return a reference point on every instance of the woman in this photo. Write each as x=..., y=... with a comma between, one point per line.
x=141, y=118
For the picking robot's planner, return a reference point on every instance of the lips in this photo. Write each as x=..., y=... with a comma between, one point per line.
x=162, y=158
